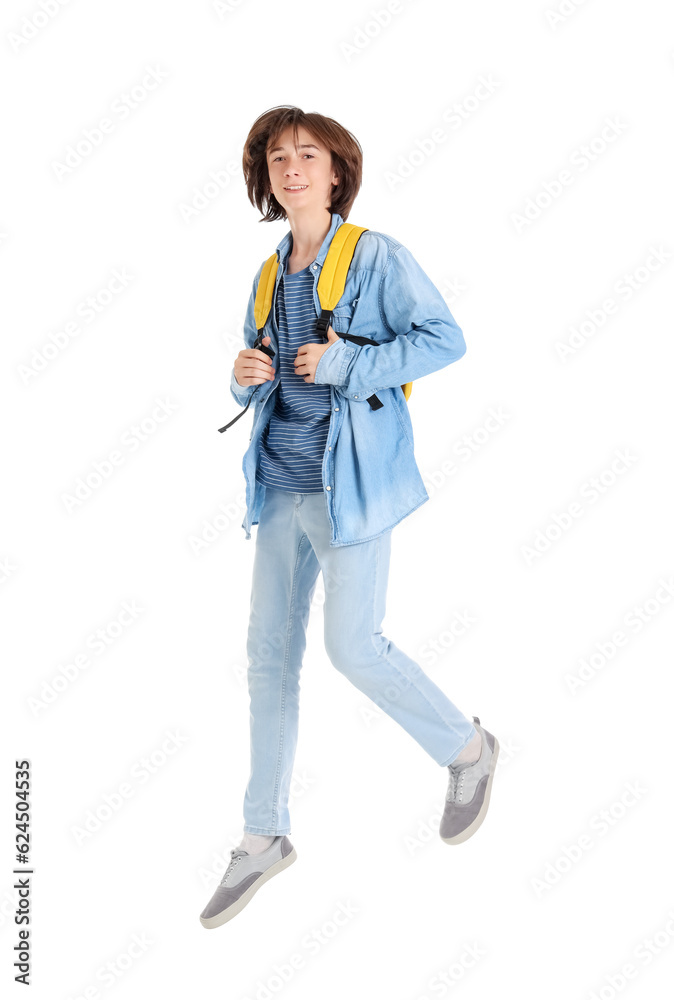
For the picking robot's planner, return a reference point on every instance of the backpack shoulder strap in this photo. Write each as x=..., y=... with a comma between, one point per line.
x=336, y=264
x=265, y=291
x=331, y=282
x=333, y=275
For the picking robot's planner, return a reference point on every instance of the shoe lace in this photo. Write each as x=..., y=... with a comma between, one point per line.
x=456, y=784
x=236, y=853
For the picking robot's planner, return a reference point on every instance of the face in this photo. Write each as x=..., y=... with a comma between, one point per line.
x=307, y=167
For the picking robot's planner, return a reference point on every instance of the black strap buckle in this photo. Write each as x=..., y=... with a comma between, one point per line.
x=323, y=322
x=265, y=348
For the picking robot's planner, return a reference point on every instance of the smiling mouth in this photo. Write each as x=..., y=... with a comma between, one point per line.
x=296, y=187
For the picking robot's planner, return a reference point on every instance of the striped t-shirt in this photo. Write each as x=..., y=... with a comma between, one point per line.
x=293, y=443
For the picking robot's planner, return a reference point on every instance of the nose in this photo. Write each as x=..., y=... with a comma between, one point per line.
x=290, y=168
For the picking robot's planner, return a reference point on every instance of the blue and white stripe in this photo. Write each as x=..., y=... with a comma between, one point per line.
x=293, y=443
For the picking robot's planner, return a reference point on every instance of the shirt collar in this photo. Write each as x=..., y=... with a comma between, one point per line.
x=284, y=246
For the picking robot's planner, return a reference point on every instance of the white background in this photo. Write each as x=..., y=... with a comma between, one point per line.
x=543, y=918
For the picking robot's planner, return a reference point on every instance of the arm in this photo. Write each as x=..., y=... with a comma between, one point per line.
x=427, y=336
x=242, y=393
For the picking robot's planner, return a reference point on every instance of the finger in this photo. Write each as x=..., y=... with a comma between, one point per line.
x=253, y=354
x=257, y=371
x=261, y=355
x=253, y=361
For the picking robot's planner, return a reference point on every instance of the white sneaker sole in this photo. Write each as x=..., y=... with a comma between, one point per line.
x=231, y=911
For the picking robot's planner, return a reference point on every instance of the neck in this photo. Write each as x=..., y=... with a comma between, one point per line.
x=309, y=229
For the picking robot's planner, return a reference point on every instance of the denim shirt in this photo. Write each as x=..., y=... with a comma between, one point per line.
x=370, y=476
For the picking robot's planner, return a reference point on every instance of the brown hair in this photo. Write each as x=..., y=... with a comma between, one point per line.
x=346, y=154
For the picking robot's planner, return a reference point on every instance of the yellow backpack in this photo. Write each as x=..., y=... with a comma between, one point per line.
x=330, y=290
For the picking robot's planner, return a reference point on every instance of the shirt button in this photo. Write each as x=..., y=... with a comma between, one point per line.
x=315, y=266
x=329, y=447
x=336, y=407
x=355, y=397
x=328, y=487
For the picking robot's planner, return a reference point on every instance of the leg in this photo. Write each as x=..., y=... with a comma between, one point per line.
x=355, y=603
x=285, y=571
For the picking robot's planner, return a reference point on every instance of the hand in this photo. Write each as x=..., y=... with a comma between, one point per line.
x=308, y=356
x=253, y=367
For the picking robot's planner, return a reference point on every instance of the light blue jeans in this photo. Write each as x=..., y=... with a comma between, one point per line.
x=292, y=546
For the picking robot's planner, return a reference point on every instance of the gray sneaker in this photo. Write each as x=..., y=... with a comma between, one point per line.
x=244, y=876
x=469, y=789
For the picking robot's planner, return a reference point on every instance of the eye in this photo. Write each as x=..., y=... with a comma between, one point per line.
x=305, y=154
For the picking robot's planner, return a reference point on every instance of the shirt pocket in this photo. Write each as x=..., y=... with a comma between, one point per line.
x=343, y=314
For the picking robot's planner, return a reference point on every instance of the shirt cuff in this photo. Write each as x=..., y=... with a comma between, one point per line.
x=333, y=364
x=241, y=393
